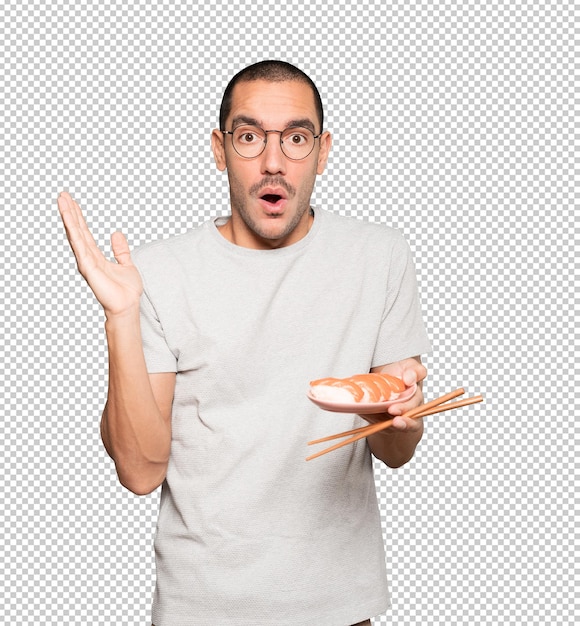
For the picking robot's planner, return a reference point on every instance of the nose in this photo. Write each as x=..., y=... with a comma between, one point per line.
x=273, y=159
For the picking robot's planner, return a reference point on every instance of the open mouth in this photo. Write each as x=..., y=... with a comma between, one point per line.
x=271, y=198
x=273, y=202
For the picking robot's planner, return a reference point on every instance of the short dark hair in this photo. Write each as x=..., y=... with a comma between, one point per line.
x=275, y=71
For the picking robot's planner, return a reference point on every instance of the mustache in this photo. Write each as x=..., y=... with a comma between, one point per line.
x=272, y=181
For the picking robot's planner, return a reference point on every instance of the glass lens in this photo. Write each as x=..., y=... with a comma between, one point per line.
x=297, y=143
x=249, y=141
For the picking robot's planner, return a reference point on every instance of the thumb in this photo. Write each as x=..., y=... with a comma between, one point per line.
x=409, y=377
x=120, y=249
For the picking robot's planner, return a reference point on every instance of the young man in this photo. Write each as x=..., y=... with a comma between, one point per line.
x=212, y=343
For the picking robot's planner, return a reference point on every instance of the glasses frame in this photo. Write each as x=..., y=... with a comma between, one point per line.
x=280, y=132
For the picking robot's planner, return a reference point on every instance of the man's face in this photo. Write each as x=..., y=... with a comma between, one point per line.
x=270, y=194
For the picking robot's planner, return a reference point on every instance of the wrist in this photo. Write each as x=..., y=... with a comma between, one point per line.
x=122, y=319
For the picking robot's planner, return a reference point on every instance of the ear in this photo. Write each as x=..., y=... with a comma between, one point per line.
x=218, y=149
x=325, y=145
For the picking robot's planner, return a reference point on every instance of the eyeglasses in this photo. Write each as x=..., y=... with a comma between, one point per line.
x=250, y=141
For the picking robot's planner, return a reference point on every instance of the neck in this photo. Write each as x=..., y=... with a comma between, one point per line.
x=236, y=231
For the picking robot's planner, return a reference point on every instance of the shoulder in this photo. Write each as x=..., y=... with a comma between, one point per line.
x=163, y=251
x=361, y=234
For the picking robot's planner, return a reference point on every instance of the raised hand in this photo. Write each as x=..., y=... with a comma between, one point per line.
x=117, y=286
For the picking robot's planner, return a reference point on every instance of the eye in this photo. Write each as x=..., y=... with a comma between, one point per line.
x=248, y=136
x=296, y=138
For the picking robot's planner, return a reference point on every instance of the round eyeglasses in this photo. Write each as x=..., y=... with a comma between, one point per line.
x=250, y=141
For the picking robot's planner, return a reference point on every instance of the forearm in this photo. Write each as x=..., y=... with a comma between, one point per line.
x=395, y=447
x=134, y=431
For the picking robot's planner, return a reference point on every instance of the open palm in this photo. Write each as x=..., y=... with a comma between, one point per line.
x=117, y=286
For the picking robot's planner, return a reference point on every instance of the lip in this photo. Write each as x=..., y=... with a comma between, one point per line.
x=273, y=191
x=273, y=207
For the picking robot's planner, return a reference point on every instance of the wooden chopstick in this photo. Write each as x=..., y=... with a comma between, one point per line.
x=451, y=405
x=419, y=409
x=435, y=406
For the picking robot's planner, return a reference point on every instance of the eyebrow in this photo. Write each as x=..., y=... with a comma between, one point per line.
x=302, y=123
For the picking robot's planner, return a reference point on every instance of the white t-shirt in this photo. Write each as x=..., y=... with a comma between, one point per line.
x=249, y=533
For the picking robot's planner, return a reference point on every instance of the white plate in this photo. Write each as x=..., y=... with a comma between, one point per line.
x=362, y=408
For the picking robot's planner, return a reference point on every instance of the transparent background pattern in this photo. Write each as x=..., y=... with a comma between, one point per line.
x=452, y=121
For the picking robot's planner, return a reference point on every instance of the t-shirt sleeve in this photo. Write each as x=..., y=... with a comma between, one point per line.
x=402, y=333
x=158, y=355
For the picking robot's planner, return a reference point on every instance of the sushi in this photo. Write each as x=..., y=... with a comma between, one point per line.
x=363, y=388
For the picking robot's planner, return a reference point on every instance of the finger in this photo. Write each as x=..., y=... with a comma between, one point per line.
x=121, y=250
x=65, y=208
x=80, y=238
x=409, y=377
x=421, y=372
x=82, y=224
x=414, y=372
x=403, y=407
x=69, y=213
x=406, y=424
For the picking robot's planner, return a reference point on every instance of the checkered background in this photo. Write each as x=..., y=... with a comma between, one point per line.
x=452, y=121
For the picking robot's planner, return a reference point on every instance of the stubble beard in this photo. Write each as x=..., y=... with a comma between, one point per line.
x=239, y=204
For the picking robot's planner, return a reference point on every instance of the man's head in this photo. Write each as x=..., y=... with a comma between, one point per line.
x=271, y=181
x=275, y=72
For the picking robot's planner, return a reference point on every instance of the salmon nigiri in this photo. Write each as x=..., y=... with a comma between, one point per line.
x=372, y=387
